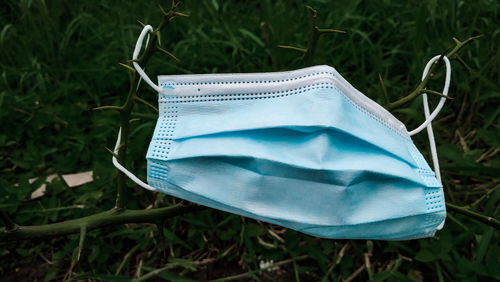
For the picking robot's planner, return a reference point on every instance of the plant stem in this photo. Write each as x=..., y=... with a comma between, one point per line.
x=302, y=50
x=384, y=90
x=475, y=215
x=139, y=99
x=107, y=218
x=311, y=47
x=83, y=233
x=432, y=92
x=308, y=53
x=421, y=86
x=108, y=108
x=126, y=109
x=314, y=37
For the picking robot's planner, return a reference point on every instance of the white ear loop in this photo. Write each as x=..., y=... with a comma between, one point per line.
x=137, y=49
x=429, y=117
x=143, y=75
x=441, y=101
x=124, y=170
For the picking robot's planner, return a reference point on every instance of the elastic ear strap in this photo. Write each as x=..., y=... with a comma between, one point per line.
x=135, y=55
x=432, y=142
x=429, y=117
x=124, y=170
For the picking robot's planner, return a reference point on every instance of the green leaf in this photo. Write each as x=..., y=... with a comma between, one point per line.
x=484, y=243
x=23, y=252
x=252, y=36
x=215, y=4
x=491, y=137
x=471, y=267
x=381, y=276
x=171, y=236
x=51, y=274
x=425, y=255
x=93, y=254
x=252, y=230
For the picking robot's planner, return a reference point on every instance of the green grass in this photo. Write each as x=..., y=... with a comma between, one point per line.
x=59, y=59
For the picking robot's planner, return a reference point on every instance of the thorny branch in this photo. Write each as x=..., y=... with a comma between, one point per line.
x=491, y=221
x=126, y=109
x=421, y=86
x=84, y=224
x=118, y=215
x=315, y=33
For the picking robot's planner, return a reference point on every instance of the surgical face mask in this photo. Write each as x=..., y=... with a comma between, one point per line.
x=302, y=149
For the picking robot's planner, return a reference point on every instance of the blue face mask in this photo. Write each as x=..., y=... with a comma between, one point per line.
x=302, y=149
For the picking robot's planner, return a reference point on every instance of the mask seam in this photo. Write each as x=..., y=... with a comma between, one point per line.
x=254, y=81
x=433, y=199
x=433, y=194
x=157, y=170
x=425, y=174
x=380, y=120
x=258, y=95
x=321, y=71
x=161, y=148
x=275, y=94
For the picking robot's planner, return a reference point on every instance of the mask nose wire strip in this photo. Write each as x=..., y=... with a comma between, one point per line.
x=137, y=49
x=429, y=117
x=124, y=170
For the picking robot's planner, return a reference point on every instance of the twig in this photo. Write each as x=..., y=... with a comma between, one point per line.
x=315, y=33
x=296, y=271
x=302, y=50
x=107, y=218
x=138, y=99
x=355, y=274
x=168, y=54
x=111, y=152
x=330, y=30
x=486, y=195
x=491, y=221
x=170, y=266
x=125, y=258
x=131, y=98
x=368, y=265
x=83, y=234
x=141, y=23
x=116, y=108
x=461, y=44
x=127, y=67
x=428, y=91
x=421, y=86
x=384, y=90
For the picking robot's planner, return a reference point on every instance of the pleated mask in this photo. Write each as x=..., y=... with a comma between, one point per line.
x=302, y=149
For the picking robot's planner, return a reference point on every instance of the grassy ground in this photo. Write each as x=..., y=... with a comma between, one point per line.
x=59, y=59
